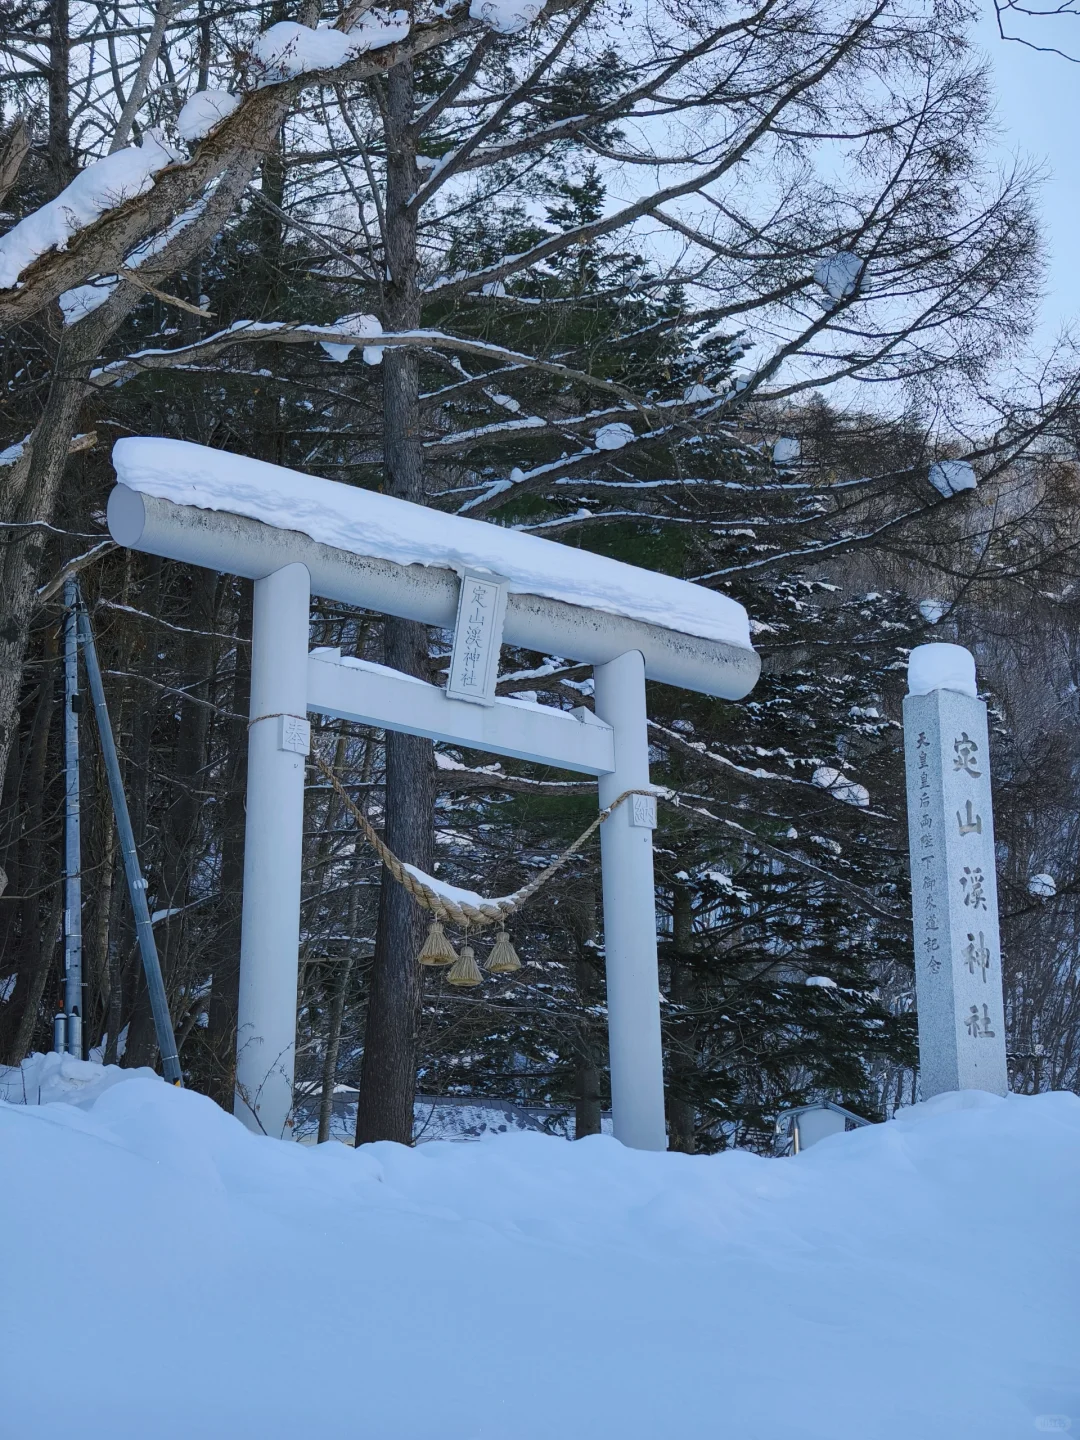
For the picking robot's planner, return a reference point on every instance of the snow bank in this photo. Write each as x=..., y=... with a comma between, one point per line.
x=48, y=1079
x=506, y=17
x=100, y=187
x=371, y=524
x=203, y=111
x=289, y=49
x=932, y=610
x=909, y=1281
x=941, y=667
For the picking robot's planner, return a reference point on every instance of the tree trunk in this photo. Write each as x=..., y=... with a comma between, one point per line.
x=588, y=1101
x=103, y=872
x=58, y=153
x=114, y=1014
x=388, y=1073
x=225, y=985
x=142, y=1045
x=34, y=956
x=681, y=1116
x=45, y=953
x=333, y=1028
x=183, y=820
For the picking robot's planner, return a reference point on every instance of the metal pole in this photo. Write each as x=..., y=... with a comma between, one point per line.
x=170, y=1063
x=73, y=976
x=273, y=852
x=626, y=857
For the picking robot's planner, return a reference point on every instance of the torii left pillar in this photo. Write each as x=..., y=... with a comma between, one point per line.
x=278, y=741
x=626, y=857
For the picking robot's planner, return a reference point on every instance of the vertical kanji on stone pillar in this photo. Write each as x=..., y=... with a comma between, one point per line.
x=953, y=879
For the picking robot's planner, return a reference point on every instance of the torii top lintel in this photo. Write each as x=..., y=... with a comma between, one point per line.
x=245, y=517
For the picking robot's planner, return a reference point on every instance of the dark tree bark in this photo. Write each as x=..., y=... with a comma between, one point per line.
x=588, y=1098
x=58, y=151
x=388, y=1073
x=681, y=1116
x=102, y=873
x=182, y=822
x=225, y=985
x=35, y=947
x=142, y=1046
x=333, y=1024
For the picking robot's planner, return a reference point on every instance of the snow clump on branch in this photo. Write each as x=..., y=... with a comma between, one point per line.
x=506, y=17
x=839, y=786
x=1043, y=887
x=786, y=450
x=362, y=325
x=100, y=187
x=203, y=112
x=949, y=477
x=614, y=436
x=288, y=49
x=838, y=274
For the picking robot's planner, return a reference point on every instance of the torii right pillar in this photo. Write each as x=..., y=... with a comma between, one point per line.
x=953, y=876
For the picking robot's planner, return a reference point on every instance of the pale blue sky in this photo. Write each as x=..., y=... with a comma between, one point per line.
x=1038, y=115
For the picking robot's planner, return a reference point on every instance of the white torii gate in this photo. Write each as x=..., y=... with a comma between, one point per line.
x=295, y=535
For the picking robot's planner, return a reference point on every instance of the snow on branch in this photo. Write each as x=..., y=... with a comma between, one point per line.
x=860, y=897
x=456, y=776
x=836, y=791
x=506, y=17
x=101, y=187
x=229, y=155
x=204, y=111
x=288, y=49
x=340, y=334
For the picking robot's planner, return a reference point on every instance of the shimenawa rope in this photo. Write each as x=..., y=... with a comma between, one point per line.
x=462, y=912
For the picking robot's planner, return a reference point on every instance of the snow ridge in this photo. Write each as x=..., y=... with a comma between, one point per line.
x=371, y=524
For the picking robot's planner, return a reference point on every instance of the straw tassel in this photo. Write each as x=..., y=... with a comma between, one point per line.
x=503, y=958
x=437, y=949
x=465, y=970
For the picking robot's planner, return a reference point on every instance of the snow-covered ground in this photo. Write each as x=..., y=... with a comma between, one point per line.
x=167, y=1273
x=437, y=1117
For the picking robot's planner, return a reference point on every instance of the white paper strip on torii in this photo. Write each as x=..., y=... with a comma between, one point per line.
x=953, y=885
x=474, y=660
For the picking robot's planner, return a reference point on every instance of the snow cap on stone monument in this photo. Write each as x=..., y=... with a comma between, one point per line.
x=941, y=667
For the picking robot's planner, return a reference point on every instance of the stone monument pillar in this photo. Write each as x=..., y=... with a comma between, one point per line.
x=953, y=878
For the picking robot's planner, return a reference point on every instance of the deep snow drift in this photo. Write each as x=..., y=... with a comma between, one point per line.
x=166, y=1273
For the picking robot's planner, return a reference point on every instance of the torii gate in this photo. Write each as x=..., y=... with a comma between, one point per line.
x=295, y=535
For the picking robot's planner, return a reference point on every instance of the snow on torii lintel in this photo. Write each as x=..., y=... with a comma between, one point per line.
x=367, y=523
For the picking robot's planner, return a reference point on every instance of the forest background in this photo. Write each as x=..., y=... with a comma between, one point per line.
x=712, y=288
